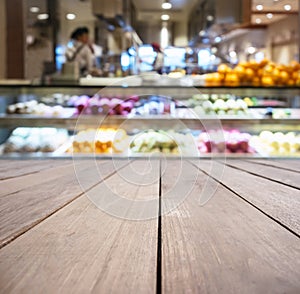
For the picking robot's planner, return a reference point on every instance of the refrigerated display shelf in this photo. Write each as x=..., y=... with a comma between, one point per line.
x=287, y=92
x=152, y=122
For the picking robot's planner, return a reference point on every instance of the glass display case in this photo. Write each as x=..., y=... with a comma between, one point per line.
x=175, y=120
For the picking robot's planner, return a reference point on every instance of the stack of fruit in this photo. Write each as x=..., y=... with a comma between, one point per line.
x=35, y=108
x=268, y=143
x=224, y=142
x=26, y=140
x=167, y=142
x=215, y=104
x=264, y=73
x=103, y=105
x=100, y=141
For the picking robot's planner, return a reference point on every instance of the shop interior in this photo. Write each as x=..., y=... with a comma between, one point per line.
x=149, y=146
x=237, y=67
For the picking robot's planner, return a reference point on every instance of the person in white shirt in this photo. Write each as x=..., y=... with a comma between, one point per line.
x=81, y=51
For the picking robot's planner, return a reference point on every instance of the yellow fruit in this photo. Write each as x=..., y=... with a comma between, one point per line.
x=240, y=71
x=263, y=63
x=253, y=64
x=276, y=74
x=267, y=81
x=232, y=79
x=249, y=74
x=223, y=68
x=256, y=81
x=291, y=82
x=284, y=77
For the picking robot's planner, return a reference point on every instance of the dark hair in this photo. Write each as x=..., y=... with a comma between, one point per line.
x=79, y=32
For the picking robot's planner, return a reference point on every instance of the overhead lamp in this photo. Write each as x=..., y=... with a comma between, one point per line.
x=269, y=15
x=210, y=18
x=165, y=17
x=166, y=5
x=232, y=54
x=34, y=9
x=43, y=16
x=251, y=50
x=259, y=7
x=214, y=50
x=70, y=16
x=258, y=20
x=287, y=7
x=218, y=39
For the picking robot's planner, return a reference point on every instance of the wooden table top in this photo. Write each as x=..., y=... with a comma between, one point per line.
x=150, y=226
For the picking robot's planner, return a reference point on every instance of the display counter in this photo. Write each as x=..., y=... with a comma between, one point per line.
x=264, y=118
x=243, y=237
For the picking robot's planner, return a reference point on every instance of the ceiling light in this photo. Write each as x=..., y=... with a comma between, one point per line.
x=165, y=17
x=218, y=39
x=70, y=16
x=43, y=16
x=166, y=5
x=258, y=20
x=251, y=50
x=210, y=18
x=269, y=15
x=34, y=9
x=232, y=54
x=259, y=7
x=213, y=57
x=214, y=50
x=287, y=7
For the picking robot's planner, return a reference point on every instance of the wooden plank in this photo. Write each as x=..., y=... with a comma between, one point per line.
x=225, y=246
x=30, y=179
x=43, y=194
x=288, y=164
x=275, y=200
x=290, y=178
x=82, y=249
x=16, y=168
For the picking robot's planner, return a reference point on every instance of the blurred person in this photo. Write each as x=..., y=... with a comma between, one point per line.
x=82, y=52
x=158, y=62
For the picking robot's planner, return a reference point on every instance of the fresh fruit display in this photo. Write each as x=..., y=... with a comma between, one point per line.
x=264, y=73
x=102, y=105
x=224, y=142
x=204, y=104
x=268, y=143
x=100, y=141
x=26, y=140
x=134, y=105
x=154, y=105
x=261, y=102
x=35, y=108
x=167, y=142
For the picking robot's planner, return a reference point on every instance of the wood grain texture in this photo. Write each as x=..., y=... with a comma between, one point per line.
x=226, y=246
x=288, y=164
x=34, y=197
x=16, y=168
x=278, y=201
x=81, y=249
x=290, y=178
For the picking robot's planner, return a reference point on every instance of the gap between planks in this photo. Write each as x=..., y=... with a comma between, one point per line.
x=35, y=223
x=261, y=175
x=277, y=164
x=268, y=215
